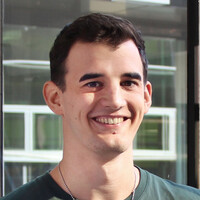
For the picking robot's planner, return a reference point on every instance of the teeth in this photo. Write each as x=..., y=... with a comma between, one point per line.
x=105, y=120
x=110, y=121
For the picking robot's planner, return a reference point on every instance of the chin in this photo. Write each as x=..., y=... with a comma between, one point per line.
x=112, y=147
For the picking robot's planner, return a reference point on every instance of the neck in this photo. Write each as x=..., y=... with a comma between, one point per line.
x=97, y=177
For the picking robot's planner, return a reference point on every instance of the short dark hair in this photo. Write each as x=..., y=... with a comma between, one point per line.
x=93, y=28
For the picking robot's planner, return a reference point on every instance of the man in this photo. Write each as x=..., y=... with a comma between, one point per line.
x=99, y=86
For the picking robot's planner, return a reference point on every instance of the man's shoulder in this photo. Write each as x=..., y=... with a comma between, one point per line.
x=166, y=188
x=36, y=189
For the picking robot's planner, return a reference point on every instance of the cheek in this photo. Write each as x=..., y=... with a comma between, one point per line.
x=75, y=103
x=81, y=105
x=88, y=98
x=136, y=106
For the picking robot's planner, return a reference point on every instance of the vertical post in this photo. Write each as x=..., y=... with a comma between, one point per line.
x=1, y=113
x=198, y=96
x=192, y=92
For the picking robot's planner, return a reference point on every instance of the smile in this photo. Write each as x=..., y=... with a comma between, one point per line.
x=110, y=120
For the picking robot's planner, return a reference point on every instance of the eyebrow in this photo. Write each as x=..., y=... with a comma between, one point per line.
x=133, y=76
x=95, y=75
x=90, y=76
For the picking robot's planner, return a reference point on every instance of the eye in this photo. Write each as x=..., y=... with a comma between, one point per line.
x=128, y=83
x=94, y=84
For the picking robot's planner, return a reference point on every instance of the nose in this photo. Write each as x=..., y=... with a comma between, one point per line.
x=113, y=97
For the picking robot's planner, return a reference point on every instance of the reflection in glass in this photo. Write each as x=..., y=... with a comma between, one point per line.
x=149, y=135
x=164, y=169
x=13, y=130
x=13, y=176
x=20, y=80
x=17, y=174
x=47, y=132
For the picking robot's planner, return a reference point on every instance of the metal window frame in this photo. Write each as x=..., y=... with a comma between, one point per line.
x=162, y=2
x=170, y=153
x=1, y=129
x=192, y=93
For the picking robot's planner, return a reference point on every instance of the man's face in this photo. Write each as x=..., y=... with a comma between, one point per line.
x=105, y=97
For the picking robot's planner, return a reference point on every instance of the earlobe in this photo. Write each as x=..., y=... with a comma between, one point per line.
x=147, y=96
x=52, y=96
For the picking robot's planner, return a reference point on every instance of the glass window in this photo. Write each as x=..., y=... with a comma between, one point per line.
x=23, y=77
x=13, y=176
x=150, y=134
x=163, y=87
x=47, y=132
x=17, y=174
x=13, y=130
x=160, y=168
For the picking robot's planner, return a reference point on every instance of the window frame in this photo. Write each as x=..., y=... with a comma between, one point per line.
x=1, y=98
x=193, y=134
x=29, y=154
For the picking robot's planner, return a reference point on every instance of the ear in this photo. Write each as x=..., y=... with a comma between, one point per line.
x=147, y=96
x=52, y=95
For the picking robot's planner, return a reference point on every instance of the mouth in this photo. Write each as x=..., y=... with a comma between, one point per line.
x=110, y=120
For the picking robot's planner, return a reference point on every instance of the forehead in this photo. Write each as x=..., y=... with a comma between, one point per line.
x=96, y=57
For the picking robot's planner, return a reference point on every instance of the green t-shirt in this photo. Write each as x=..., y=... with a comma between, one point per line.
x=151, y=187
